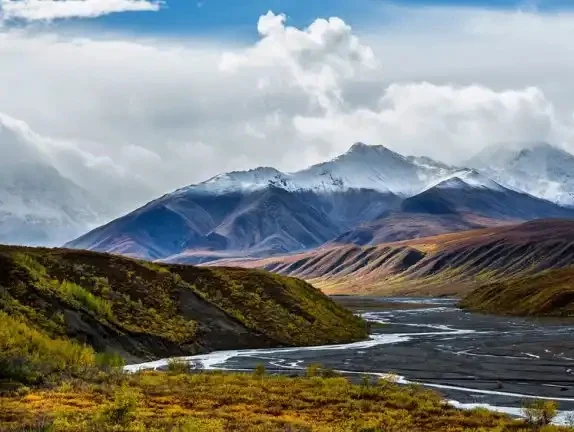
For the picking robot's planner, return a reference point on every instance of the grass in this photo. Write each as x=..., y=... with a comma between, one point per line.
x=57, y=306
x=155, y=310
x=97, y=305
x=156, y=401
x=550, y=293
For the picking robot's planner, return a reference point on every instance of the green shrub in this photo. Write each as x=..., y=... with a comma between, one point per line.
x=123, y=408
x=178, y=366
x=540, y=412
x=29, y=356
x=97, y=305
x=110, y=360
x=313, y=370
x=35, y=268
x=259, y=370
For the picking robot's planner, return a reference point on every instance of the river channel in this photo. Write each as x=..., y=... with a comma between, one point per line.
x=471, y=359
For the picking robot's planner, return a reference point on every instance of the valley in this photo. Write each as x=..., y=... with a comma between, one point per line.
x=426, y=365
x=398, y=240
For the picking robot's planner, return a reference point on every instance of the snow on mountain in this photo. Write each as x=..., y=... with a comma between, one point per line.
x=263, y=211
x=540, y=169
x=466, y=178
x=40, y=207
x=361, y=167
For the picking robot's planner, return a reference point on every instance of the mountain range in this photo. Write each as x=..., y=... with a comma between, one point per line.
x=367, y=195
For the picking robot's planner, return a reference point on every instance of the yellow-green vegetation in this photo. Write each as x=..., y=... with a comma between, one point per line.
x=26, y=354
x=64, y=313
x=218, y=402
x=550, y=293
x=141, y=310
x=283, y=308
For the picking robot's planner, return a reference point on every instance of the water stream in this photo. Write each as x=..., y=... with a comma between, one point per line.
x=472, y=359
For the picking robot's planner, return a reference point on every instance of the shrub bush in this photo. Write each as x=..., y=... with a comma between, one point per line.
x=178, y=366
x=29, y=356
x=540, y=412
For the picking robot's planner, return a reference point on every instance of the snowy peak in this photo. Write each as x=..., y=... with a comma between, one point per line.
x=242, y=181
x=361, y=167
x=539, y=169
x=467, y=179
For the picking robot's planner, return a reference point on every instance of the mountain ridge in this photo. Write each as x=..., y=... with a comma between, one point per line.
x=264, y=212
x=446, y=264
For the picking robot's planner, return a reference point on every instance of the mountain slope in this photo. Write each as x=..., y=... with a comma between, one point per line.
x=263, y=221
x=361, y=167
x=397, y=226
x=39, y=206
x=146, y=311
x=452, y=263
x=468, y=191
x=463, y=200
x=549, y=293
x=540, y=169
x=264, y=212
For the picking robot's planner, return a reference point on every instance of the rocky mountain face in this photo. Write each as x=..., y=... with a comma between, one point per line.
x=263, y=212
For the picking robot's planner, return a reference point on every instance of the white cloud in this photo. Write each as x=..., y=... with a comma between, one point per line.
x=316, y=59
x=132, y=119
x=448, y=122
x=48, y=10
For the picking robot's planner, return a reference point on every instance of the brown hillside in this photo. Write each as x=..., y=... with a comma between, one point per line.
x=446, y=264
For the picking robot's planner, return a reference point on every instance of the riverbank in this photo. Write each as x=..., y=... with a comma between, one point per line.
x=469, y=358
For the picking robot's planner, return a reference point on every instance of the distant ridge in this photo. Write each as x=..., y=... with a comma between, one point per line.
x=446, y=264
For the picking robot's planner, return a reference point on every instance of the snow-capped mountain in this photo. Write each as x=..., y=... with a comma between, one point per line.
x=264, y=211
x=466, y=178
x=361, y=167
x=470, y=192
x=540, y=169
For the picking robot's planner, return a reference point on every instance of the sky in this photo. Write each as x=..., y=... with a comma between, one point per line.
x=131, y=99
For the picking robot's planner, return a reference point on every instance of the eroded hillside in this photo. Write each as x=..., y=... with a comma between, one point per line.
x=450, y=264
x=142, y=310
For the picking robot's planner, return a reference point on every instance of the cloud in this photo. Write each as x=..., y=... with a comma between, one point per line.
x=49, y=10
x=132, y=119
x=316, y=59
x=445, y=121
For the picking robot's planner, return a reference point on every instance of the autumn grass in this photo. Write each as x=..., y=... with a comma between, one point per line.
x=156, y=401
